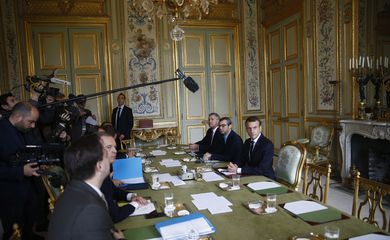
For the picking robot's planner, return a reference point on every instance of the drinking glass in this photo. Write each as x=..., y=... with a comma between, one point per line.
x=271, y=201
x=236, y=181
x=331, y=232
x=155, y=179
x=168, y=198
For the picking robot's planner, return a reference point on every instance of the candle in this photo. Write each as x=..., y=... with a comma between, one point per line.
x=380, y=61
x=360, y=60
x=377, y=63
x=356, y=64
x=368, y=61
x=363, y=60
x=350, y=64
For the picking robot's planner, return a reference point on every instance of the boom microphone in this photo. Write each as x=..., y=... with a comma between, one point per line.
x=189, y=82
x=59, y=81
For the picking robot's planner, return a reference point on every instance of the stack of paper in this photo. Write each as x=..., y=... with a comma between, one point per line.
x=158, y=152
x=177, y=228
x=175, y=180
x=170, y=163
x=303, y=206
x=211, y=176
x=179, y=153
x=262, y=185
x=210, y=201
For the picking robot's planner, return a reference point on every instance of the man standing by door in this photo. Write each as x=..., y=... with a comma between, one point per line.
x=122, y=119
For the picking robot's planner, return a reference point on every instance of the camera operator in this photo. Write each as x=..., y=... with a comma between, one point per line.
x=17, y=195
x=82, y=125
x=7, y=103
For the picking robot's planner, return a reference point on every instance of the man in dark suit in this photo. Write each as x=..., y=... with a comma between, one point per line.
x=213, y=140
x=18, y=199
x=112, y=193
x=232, y=144
x=122, y=118
x=81, y=211
x=257, y=153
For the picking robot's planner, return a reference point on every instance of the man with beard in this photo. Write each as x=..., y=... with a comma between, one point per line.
x=17, y=196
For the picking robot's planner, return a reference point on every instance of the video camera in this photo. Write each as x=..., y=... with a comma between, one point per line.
x=46, y=154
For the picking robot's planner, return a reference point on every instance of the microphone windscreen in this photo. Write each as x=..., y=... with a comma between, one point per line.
x=191, y=84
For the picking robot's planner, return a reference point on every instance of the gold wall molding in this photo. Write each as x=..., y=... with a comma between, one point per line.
x=64, y=7
x=276, y=11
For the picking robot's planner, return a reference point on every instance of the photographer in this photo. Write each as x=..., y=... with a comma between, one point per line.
x=17, y=195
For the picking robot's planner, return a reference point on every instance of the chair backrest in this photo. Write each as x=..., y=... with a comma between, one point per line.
x=127, y=143
x=292, y=156
x=321, y=136
x=374, y=193
x=316, y=178
x=54, y=181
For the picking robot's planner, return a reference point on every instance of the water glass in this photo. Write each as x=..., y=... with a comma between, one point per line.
x=271, y=201
x=168, y=198
x=331, y=232
x=155, y=179
x=236, y=181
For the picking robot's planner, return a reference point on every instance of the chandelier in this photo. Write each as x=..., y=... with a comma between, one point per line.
x=173, y=10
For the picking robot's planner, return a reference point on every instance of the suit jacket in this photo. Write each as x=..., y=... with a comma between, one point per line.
x=125, y=121
x=261, y=159
x=113, y=194
x=231, y=150
x=80, y=213
x=205, y=145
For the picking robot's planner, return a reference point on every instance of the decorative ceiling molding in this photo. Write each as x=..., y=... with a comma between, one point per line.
x=86, y=8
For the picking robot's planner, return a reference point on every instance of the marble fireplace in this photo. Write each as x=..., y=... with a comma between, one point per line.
x=366, y=145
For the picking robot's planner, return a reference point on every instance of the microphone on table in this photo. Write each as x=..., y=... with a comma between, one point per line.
x=189, y=82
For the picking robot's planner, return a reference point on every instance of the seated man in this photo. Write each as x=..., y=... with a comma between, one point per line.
x=257, y=153
x=231, y=149
x=112, y=193
x=81, y=211
x=213, y=141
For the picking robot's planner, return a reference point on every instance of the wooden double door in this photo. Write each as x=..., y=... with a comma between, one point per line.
x=208, y=56
x=78, y=55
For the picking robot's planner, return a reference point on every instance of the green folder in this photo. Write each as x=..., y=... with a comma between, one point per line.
x=321, y=216
x=277, y=190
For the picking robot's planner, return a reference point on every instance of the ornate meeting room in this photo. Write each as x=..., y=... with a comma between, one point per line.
x=195, y=119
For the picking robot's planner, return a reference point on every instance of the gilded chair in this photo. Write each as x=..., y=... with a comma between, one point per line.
x=316, y=181
x=373, y=198
x=291, y=158
x=127, y=143
x=54, y=180
x=319, y=145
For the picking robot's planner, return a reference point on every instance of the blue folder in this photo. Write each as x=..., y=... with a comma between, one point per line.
x=189, y=217
x=128, y=170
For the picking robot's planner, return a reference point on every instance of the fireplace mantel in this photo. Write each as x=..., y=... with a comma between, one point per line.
x=370, y=129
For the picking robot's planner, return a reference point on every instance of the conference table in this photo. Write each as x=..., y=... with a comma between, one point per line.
x=241, y=223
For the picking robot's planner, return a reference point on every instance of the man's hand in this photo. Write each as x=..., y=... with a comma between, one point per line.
x=30, y=169
x=207, y=156
x=121, y=137
x=194, y=146
x=118, y=234
x=232, y=167
x=117, y=182
x=140, y=200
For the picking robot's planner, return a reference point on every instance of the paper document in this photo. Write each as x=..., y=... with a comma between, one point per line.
x=91, y=121
x=179, y=153
x=145, y=209
x=210, y=201
x=177, y=228
x=262, y=185
x=128, y=170
x=303, y=206
x=170, y=163
x=175, y=180
x=371, y=236
x=225, y=172
x=211, y=176
x=158, y=153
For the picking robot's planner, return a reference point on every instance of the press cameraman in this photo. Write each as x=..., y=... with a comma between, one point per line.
x=17, y=195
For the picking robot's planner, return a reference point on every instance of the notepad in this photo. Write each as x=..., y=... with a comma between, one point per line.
x=303, y=206
x=262, y=185
x=128, y=170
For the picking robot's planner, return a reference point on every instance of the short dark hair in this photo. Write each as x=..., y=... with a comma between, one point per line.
x=228, y=120
x=109, y=129
x=215, y=114
x=80, y=157
x=22, y=108
x=122, y=95
x=252, y=119
x=4, y=97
